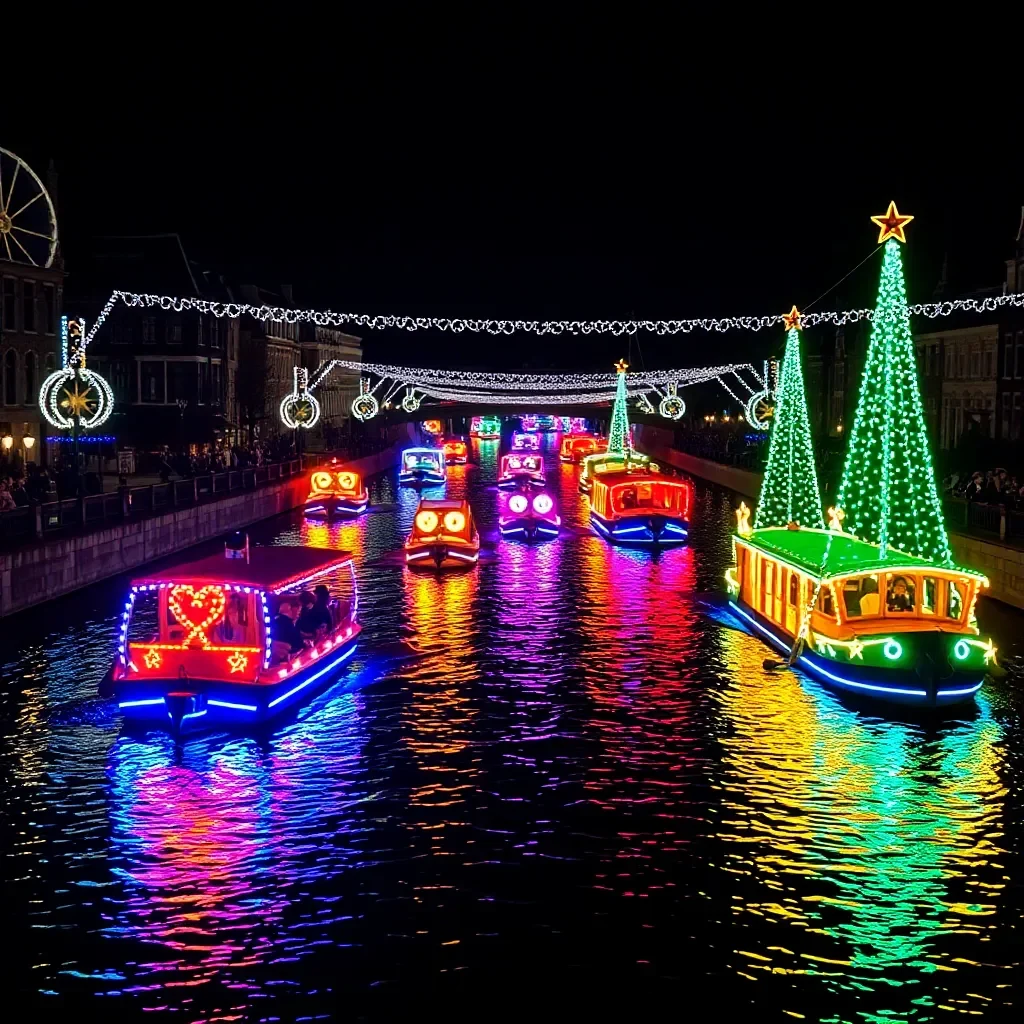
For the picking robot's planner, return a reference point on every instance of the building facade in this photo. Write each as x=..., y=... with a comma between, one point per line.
x=1010, y=382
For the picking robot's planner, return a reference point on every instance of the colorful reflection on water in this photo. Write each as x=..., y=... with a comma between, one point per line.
x=583, y=783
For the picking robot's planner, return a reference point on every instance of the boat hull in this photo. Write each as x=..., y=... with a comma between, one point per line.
x=442, y=555
x=510, y=483
x=905, y=687
x=529, y=529
x=337, y=508
x=186, y=707
x=641, y=531
x=421, y=478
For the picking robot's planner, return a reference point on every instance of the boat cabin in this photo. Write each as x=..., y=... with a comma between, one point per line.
x=455, y=450
x=625, y=495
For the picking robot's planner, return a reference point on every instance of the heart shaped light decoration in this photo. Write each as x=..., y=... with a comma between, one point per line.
x=197, y=610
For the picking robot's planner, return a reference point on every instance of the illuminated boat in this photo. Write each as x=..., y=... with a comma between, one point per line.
x=423, y=467
x=576, y=447
x=899, y=628
x=522, y=442
x=456, y=451
x=529, y=423
x=444, y=536
x=638, y=508
x=485, y=427
x=529, y=519
x=334, y=491
x=196, y=648
x=611, y=462
x=517, y=470
x=433, y=427
x=546, y=424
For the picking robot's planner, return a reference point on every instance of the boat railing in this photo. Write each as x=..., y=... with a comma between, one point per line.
x=30, y=523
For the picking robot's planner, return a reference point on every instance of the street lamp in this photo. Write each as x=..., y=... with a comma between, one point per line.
x=29, y=442
x=7, y=442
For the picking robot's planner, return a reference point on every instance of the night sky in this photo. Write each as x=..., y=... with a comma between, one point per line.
x=503, y=188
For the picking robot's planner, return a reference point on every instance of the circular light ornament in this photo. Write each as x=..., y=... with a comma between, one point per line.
x=893, y=649
x=365, y=407
x=454, y=522
x=426, y=521
x=760, y=409
x=672, y=407
x=518, y=503
x=80, y=393
x=299, y=410
x=322, y=481
x=410, y=403
x=543, y=504
x=962, y=650
x=347, y=481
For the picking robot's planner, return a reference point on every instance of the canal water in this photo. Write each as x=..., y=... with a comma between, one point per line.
x=587, y=787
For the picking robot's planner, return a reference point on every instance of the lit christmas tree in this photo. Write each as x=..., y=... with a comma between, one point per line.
x=888, y=491
x=618, y=434
x=790, y=490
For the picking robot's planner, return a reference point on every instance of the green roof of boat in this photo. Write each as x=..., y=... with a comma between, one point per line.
x=805, y=549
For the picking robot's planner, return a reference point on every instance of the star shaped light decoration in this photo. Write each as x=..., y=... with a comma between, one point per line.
x=621, y=366
x=856, y=650
x=793, y=319
x=238, y=662
x=891, y=224
x=78, y=403
x=152, y=658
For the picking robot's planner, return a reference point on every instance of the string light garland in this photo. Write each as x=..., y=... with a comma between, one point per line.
x=888, y=491
x=790, y=492
x=328, y=318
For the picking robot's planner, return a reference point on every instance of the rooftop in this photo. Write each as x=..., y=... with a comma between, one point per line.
x=805, y=549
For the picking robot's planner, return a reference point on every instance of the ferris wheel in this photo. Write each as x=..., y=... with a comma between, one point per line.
x=28, y=222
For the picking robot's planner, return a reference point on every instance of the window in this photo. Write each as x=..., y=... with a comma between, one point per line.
x=201, y=386
x=49, y=309
x=1007, y=358
x=28, y=306
x=955, y=605
x=1018, y=363
x=148, y=330
x=962, y=364
x=50, y=363
x=30, y=378
x=929, y=590
x=1015, y=418
x=9, y=322
x=178, y=381
x=861, y=596
x=121, y=381
x=11, y=378
x=200, y=336
x=1004, y=430
x=936, y=361
x=825, y=600
x=174, y=331
x=975, y=363
x=152, y=382
x=949, y=363
x=215, y=333
x=900, y=595
x=216, y=392
x=988, y=363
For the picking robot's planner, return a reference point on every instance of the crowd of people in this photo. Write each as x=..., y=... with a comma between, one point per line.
x=993, y=487
x=18, y=489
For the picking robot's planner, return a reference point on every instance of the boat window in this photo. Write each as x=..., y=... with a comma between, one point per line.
x=825, y=600
x=955, y=605
x=900, y=594
x=929, y=592
x=861, y=596
x=794, y=591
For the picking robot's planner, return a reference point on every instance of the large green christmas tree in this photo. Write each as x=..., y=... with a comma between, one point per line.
x=618, y=433
x=888, y=492
x=790, y=492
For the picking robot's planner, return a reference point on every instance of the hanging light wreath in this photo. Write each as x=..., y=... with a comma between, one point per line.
x=364, y=405
x=76, y=393
x=411, y=401
x=300, y=408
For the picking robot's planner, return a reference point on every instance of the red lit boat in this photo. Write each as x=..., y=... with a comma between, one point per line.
x=518, y=469
x=640, y=508
x=456, y=452
x=577, y=447
x=196, y=648
x=444, y=536
x=335, y=491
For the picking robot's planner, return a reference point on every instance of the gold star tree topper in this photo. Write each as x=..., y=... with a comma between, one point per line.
x=793, y=319
x=621, y=366
x=891, y=224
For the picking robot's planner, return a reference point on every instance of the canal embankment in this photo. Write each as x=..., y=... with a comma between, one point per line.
x=990, y=547
x=50, y=568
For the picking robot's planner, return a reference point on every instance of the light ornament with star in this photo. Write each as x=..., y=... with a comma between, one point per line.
x=888, y=491
x=152, y=658
x=789, y=493
x=238, y=662
x=76, y=396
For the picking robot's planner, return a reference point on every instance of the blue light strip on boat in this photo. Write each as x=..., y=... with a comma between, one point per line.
x=193, y=714
x=962, y=692
x=233, y=707
x=313, y=678
x=140, y=703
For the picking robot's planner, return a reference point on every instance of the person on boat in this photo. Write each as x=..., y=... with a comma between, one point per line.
x=900, y=599
x=306, y=602
x=629, y=498
x=231, y=629
x=318, y=616
x=285, y=633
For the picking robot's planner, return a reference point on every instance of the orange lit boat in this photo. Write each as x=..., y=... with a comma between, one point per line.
x=195, y=649
x=640, y=508
x=456, y=452
x=576, y=447
x=335, y=491
x=444, y=536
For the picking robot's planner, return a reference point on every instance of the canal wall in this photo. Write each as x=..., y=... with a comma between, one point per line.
x=1002, y=564
x=657, y=443
x=32, y=575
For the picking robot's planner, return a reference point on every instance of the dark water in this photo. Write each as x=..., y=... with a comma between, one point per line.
x=587, y=788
